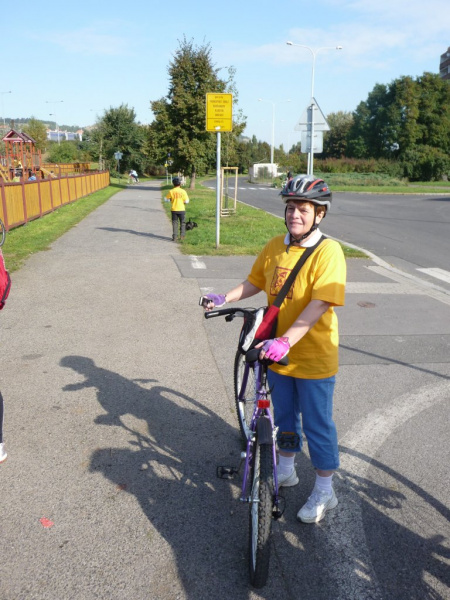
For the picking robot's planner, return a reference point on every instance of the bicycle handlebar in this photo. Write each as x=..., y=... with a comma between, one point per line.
x=221, y=312
x=251, y=355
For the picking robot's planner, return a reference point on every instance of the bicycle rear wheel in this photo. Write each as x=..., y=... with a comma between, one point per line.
x=246, y=404
x=2, y=233
x=261, y=505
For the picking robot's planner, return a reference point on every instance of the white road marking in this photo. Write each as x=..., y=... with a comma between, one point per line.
x=347, y=534
x=437, y=273
x=196, y=263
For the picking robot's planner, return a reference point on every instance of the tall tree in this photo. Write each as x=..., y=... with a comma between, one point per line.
x=38, y=131
x=118, y=131
x=401, y=115
x=335, y=140
x=178, y=132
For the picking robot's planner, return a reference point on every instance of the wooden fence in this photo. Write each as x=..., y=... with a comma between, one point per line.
x=27, y=200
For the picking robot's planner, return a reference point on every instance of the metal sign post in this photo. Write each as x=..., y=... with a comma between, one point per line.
x=314, y=123
x=218, y=192
x=118, y=155
x=219, y=117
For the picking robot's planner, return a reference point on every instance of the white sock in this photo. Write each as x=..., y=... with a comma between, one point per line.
x=285, y=464
x=323, y=484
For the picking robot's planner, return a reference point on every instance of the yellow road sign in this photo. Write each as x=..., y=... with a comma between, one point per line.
x=219, y=112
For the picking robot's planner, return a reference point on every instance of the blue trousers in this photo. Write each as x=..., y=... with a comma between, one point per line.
x=306, y=406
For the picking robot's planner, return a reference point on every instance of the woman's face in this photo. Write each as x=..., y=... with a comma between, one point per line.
x=300, y=217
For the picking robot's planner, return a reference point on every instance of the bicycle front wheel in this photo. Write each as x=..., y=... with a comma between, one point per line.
x=244, y=397
x=261, y=504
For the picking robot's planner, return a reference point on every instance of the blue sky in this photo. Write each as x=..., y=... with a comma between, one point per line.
x=100, y=54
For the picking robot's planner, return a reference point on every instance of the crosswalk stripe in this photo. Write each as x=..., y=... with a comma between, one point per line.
x=437, y=273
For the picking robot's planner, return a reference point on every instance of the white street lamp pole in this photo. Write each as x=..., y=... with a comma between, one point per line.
x=314, y=54
x=54, y=115
x=3, y=110
x=272, y=147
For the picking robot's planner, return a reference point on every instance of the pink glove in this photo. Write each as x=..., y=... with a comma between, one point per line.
x=217, y=300
x=276, y=349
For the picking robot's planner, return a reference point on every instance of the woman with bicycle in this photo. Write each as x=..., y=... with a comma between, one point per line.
x=302, y=392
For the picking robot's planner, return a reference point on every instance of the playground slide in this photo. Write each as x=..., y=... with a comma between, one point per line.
x=48, y=173
x=4, y=173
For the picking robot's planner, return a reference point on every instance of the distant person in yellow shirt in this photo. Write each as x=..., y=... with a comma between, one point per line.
x=179, y=198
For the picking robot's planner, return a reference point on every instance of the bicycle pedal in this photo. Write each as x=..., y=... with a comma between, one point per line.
x=226, y=472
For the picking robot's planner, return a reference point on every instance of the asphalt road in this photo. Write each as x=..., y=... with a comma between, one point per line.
x=409, y=232
x=119, y=407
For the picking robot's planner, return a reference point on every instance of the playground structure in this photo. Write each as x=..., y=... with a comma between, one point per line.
x=21, y=159
x=30, y=189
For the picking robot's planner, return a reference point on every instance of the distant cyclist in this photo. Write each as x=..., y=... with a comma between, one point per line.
x=133, y=176
x=307, y=329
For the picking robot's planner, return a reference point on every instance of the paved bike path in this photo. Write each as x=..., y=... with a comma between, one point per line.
x=118, y=412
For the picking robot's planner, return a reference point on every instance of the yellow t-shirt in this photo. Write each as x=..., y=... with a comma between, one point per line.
x=322, y=277
x=177, y=197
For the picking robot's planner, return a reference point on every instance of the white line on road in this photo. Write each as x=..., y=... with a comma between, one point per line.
x=196, y=263
x=437, y=273
x=365, y=439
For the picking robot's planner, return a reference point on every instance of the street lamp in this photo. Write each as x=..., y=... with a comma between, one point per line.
x=3, y=112
x=314, y=54
x=54, y=115
x=273, y=126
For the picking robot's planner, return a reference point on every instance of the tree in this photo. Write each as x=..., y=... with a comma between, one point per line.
x=118, y=131
x=335, y=140
x=397, y=117
x=65, y=152
x=178, y=132
x=38, y=131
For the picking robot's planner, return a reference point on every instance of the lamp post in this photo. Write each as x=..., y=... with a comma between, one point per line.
x=53, y=115
x=313, y=54
x=273, y=128
x=3, y=111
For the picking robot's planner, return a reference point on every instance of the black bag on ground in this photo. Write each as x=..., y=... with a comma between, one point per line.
x=190, y=225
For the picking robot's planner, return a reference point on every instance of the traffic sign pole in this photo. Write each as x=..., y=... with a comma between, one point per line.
x=218, y=192
x=219, y=117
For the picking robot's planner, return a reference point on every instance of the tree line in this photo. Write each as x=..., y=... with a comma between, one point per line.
x=403, y=129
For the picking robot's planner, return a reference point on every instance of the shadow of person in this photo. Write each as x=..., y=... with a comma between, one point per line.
x=169, y=466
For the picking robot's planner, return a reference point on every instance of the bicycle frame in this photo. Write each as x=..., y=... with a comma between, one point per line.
x=261, y=409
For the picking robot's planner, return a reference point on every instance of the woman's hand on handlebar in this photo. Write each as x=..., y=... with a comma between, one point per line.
x=211, y=301
x=275, y=349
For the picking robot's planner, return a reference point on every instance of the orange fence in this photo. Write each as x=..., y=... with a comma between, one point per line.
x=28, y=200
x=66, y=168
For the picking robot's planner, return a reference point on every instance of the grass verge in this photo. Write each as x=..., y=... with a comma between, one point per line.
x=244, y=233
x=39, y=234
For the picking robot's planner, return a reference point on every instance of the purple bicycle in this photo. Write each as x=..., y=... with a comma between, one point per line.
x=260, y=482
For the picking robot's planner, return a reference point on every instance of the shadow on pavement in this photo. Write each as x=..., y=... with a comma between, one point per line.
x=170, y=465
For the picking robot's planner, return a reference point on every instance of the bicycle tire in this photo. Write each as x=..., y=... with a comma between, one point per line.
x=2, y=233
x=244, y=407
x=260, y=521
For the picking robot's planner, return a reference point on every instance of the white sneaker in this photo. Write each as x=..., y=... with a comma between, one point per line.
x=288, y=480
x=3, y=454
x=316, y=506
